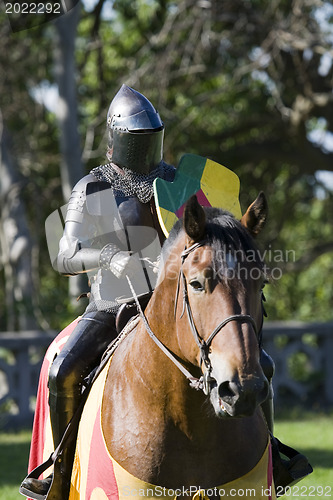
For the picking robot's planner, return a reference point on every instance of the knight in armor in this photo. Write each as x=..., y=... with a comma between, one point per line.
x=111, y=230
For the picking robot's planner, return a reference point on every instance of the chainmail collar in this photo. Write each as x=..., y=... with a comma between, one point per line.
x=133, y=183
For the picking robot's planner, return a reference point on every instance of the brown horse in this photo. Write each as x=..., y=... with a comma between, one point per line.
x=206, y=312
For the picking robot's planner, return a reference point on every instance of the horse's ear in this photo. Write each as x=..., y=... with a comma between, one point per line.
x=255, y=217
x=194, y=219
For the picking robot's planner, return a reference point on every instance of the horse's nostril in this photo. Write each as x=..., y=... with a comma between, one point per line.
x=228, y=391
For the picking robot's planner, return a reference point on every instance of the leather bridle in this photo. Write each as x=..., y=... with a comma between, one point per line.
x=204, y=345
x=205, y=381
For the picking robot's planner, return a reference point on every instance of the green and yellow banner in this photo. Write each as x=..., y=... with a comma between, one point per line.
x=213, y=184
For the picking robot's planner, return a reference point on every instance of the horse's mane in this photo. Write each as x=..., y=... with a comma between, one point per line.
x=224, y=233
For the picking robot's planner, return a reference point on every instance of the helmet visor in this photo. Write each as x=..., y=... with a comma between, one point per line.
x=140, y=152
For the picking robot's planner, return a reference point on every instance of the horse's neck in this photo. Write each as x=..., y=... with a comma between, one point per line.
x=145, y=383
x=148, y=402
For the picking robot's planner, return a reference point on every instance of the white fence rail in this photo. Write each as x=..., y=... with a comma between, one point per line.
x=303, y=356
x=21, y=356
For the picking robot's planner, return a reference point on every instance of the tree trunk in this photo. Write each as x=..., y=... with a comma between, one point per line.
x=15, y=243
x=71, y=167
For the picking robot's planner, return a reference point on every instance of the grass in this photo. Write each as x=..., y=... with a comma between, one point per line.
x=311, y=434
x=14, y=453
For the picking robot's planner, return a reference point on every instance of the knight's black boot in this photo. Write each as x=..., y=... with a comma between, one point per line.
x=79, y=356
x=62, y=410
x=60, y=486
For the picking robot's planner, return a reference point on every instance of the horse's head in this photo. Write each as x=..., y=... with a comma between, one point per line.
x=220, y=280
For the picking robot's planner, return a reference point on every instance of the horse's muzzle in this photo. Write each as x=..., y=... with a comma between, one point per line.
x=239, y=399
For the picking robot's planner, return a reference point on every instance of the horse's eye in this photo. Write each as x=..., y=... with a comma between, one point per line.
x=196, y=285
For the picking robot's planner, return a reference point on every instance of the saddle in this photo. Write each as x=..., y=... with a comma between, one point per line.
x=128, y=309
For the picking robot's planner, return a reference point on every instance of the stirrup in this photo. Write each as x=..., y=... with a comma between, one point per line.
x=35, y=474
x=29, y=492
x=58, y=488
x=291, y=471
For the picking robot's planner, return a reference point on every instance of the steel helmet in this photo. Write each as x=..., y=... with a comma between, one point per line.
x=135, y=132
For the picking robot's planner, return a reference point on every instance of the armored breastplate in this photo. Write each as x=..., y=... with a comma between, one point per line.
x=131, y=225
x=138, y=219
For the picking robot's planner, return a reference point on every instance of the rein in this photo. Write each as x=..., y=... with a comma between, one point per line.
x=204, y=382
x=194, y=382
